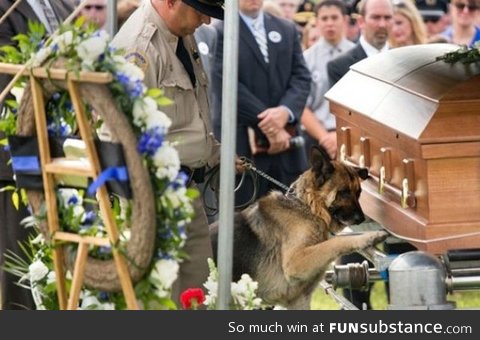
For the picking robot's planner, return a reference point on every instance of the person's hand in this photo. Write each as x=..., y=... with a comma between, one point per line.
x=279, y=141
x=329, y=142
x=239, y=165
x=273, y=119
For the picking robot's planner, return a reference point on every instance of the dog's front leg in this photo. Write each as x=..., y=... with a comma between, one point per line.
x=303, y=263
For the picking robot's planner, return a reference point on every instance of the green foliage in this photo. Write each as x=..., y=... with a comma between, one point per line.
x=464, y=55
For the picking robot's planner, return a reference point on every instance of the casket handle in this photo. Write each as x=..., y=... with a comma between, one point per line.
x=407, y=199
x=381, y=180
x=364, y=160
x=385, y=172
x=346, y=146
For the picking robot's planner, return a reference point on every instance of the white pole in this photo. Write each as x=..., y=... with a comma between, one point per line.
x=111, y=26
x=227, y=170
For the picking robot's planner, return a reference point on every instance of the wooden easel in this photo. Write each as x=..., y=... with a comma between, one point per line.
x=50, y=167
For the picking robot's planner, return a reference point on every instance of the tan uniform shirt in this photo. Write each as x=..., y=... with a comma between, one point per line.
x=150, y=45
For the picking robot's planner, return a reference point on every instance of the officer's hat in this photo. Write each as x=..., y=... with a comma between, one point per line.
x=432, y=10
x=212, y=8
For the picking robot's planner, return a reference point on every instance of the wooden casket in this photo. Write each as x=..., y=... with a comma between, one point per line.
x=415, y=123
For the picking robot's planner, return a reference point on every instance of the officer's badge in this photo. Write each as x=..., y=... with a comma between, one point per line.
x=138, y=59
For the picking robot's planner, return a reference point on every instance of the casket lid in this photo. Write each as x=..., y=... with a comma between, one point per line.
x=408, y=90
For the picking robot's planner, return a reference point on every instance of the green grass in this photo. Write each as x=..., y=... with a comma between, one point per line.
x=378, y=298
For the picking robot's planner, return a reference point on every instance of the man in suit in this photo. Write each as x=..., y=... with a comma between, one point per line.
x=50, y=14
x=375, y=20
x=273, y=85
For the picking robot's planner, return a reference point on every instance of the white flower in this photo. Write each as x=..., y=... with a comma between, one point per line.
x=158, y=119
x=51, y=277
x=79, y=211
x=90, y=302
x=41, y=56
x=177, y=197
x=70, y=197
x=125, y=235
x=142, y=109
x=91, y=49
x=39, y=239
x=37, y=271
x=132, y=71
x=64, y=41
x=167, y=162
x=17, y=93
x=164, y=273
x=108, y=306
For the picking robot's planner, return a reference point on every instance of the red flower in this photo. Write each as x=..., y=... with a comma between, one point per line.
x=191, y=298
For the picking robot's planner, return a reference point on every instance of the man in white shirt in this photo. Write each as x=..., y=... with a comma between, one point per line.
x=317, y=120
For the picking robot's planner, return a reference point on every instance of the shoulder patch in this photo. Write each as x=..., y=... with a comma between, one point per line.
x=137, y=58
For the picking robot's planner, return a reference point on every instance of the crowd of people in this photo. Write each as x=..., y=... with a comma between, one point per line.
x=291, y=52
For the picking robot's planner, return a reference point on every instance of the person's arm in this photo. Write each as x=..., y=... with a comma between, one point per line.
x=315, y=128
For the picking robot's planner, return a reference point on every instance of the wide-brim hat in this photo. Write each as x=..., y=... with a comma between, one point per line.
x=212, y=8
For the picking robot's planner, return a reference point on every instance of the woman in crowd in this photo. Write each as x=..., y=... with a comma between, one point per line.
x=408, y=26
x=464, y=14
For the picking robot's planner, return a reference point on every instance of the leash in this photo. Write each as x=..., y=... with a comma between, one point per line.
x=250, y=170
x=248, y=165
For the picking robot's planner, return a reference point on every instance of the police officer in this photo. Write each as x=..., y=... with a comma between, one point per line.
x=158, y=37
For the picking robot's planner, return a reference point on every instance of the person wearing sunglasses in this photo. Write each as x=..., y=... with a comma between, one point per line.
x=95, y=11
x=463, y=30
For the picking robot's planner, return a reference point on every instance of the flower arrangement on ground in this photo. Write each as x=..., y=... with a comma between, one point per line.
x=243, y=293
x=86, y=49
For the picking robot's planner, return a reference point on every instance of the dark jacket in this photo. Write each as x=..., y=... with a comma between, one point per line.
x=285, y=80
x=17, y=23
x=339, y=66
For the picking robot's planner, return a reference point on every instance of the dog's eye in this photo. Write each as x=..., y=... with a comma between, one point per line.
x=344, y=193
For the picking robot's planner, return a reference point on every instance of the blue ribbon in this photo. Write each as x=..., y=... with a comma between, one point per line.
x=118, y=173
x=26, y=164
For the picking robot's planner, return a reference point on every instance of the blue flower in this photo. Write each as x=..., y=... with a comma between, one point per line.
x=180, y=181
x=150, y=141
x=56, y=96
x=72, y=200
x=163, y=256
x=103, y=296
x=133, y=88
x=90, y=217
x=104, y=250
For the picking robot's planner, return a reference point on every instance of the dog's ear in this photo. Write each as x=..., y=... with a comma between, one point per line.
x=321, y=164
x=362, y=172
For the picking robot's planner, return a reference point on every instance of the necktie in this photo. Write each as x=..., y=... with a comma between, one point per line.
x=49, y=15
x=183, y=56
x=260, y=37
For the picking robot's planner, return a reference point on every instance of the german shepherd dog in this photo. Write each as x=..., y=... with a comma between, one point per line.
x=284, y=241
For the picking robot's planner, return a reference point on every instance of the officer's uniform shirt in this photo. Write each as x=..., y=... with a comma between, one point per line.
x=317, y=58
x=150, y=45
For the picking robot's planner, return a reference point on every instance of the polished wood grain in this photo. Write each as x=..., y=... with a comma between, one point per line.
x=414, y=122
